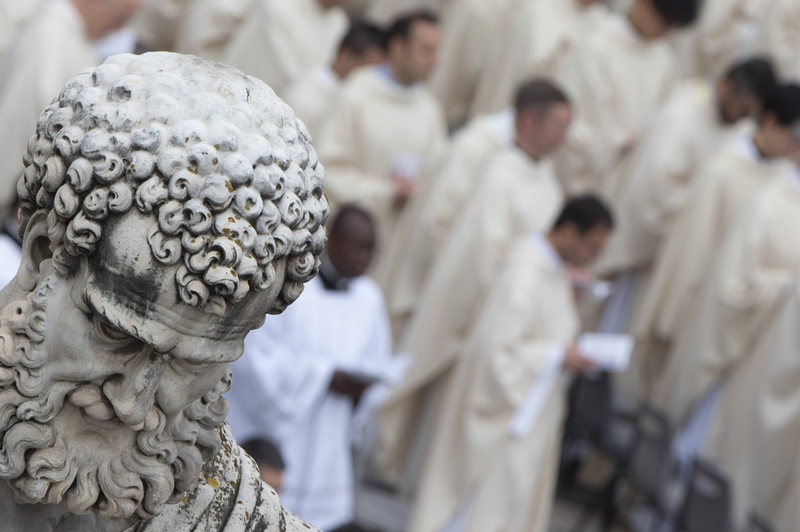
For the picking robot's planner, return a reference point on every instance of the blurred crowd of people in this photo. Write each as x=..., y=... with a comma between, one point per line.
x=503, y=175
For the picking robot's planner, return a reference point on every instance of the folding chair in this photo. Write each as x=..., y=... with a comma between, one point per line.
x=707, y=507
x=759, y=523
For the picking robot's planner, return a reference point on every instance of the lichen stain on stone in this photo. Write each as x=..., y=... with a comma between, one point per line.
x=214, y=483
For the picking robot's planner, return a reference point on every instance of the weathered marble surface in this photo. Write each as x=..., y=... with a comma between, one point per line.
x=169, y=204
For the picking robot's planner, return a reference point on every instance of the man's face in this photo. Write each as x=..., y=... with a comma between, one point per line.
x=650, y=22
x=416, y=57
x=544, y=132
x=735, y=106
x=352, y=247
x=775, y=140
x=116, y=363
x=585, y=248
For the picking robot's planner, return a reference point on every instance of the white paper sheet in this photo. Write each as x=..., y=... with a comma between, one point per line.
x=611, y=352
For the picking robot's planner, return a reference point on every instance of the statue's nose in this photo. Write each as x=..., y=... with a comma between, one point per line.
x=133, y=393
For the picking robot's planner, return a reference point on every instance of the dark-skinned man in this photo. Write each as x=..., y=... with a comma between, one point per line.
x=306, y=371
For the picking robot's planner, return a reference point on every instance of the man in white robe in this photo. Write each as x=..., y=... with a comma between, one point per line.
x=468, y=32
x=14, y=15
x=617, y=75
x=493, y=462
x=698, y=117
x=719, y=191
x=459, y=173
x=751, y=431
x=725, y=32
x=279, y=41
x=693, y=123
x=536, y=36
x=306, y=370
x=778, y=37
x=56, y=45
x=515, y=194
x=386, y=134
x=209, y=25
x=766, y=474
x=313, y=96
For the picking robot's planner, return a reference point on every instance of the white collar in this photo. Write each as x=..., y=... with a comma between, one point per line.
x=624, y=24
x=746, y=147
x=501, y=126
x=794, y=177
x=551, y=256
x=387, y=76
x=327, y=77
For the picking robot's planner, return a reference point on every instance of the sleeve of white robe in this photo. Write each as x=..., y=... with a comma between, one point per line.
x=512, y=326
x=663, y=161
x=596, y=136
x=375, y=360
x=748, y=286
x=277, y=383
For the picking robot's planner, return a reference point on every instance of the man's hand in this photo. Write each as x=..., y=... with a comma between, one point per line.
x=404, y=188
x=348, y=385
x=575, y=362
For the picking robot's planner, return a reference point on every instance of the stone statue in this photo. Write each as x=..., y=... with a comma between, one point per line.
x=169, y=204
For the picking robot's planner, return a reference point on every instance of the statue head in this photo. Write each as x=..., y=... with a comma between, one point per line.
x=169, y=204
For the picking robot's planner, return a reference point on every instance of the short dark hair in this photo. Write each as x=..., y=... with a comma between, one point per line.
x=362, y=37
x=678, y=12
x=754, y=76
x=586, y=212
x=784, y=104
x=344, y=213
x=264, y=452
x=538, y=95
x=402, y=25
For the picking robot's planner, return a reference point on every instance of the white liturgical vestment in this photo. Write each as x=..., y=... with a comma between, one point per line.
x=724, y=32
x=10, y=257
x=676, y=143
x=767, y=474
x=279, y=41
x=468, y=32
x=13, y=17
x=452, y=184
x=503, y=478
x=616, y=80
x=736, y=341
x=536, y=36
x=312, y=97
x=515, y=196
x=720, y=190
x=53, y=48
x=377, y=128
x=209, y=26
x=282, y=391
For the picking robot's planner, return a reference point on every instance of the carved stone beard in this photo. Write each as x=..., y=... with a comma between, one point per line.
x=62, y=442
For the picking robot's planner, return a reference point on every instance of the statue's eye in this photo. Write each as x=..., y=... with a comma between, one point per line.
x=109, y=334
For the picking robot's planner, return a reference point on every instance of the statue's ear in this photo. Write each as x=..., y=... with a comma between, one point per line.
x=35, y=251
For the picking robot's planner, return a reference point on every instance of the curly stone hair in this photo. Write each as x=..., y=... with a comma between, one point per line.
x=218, y=160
